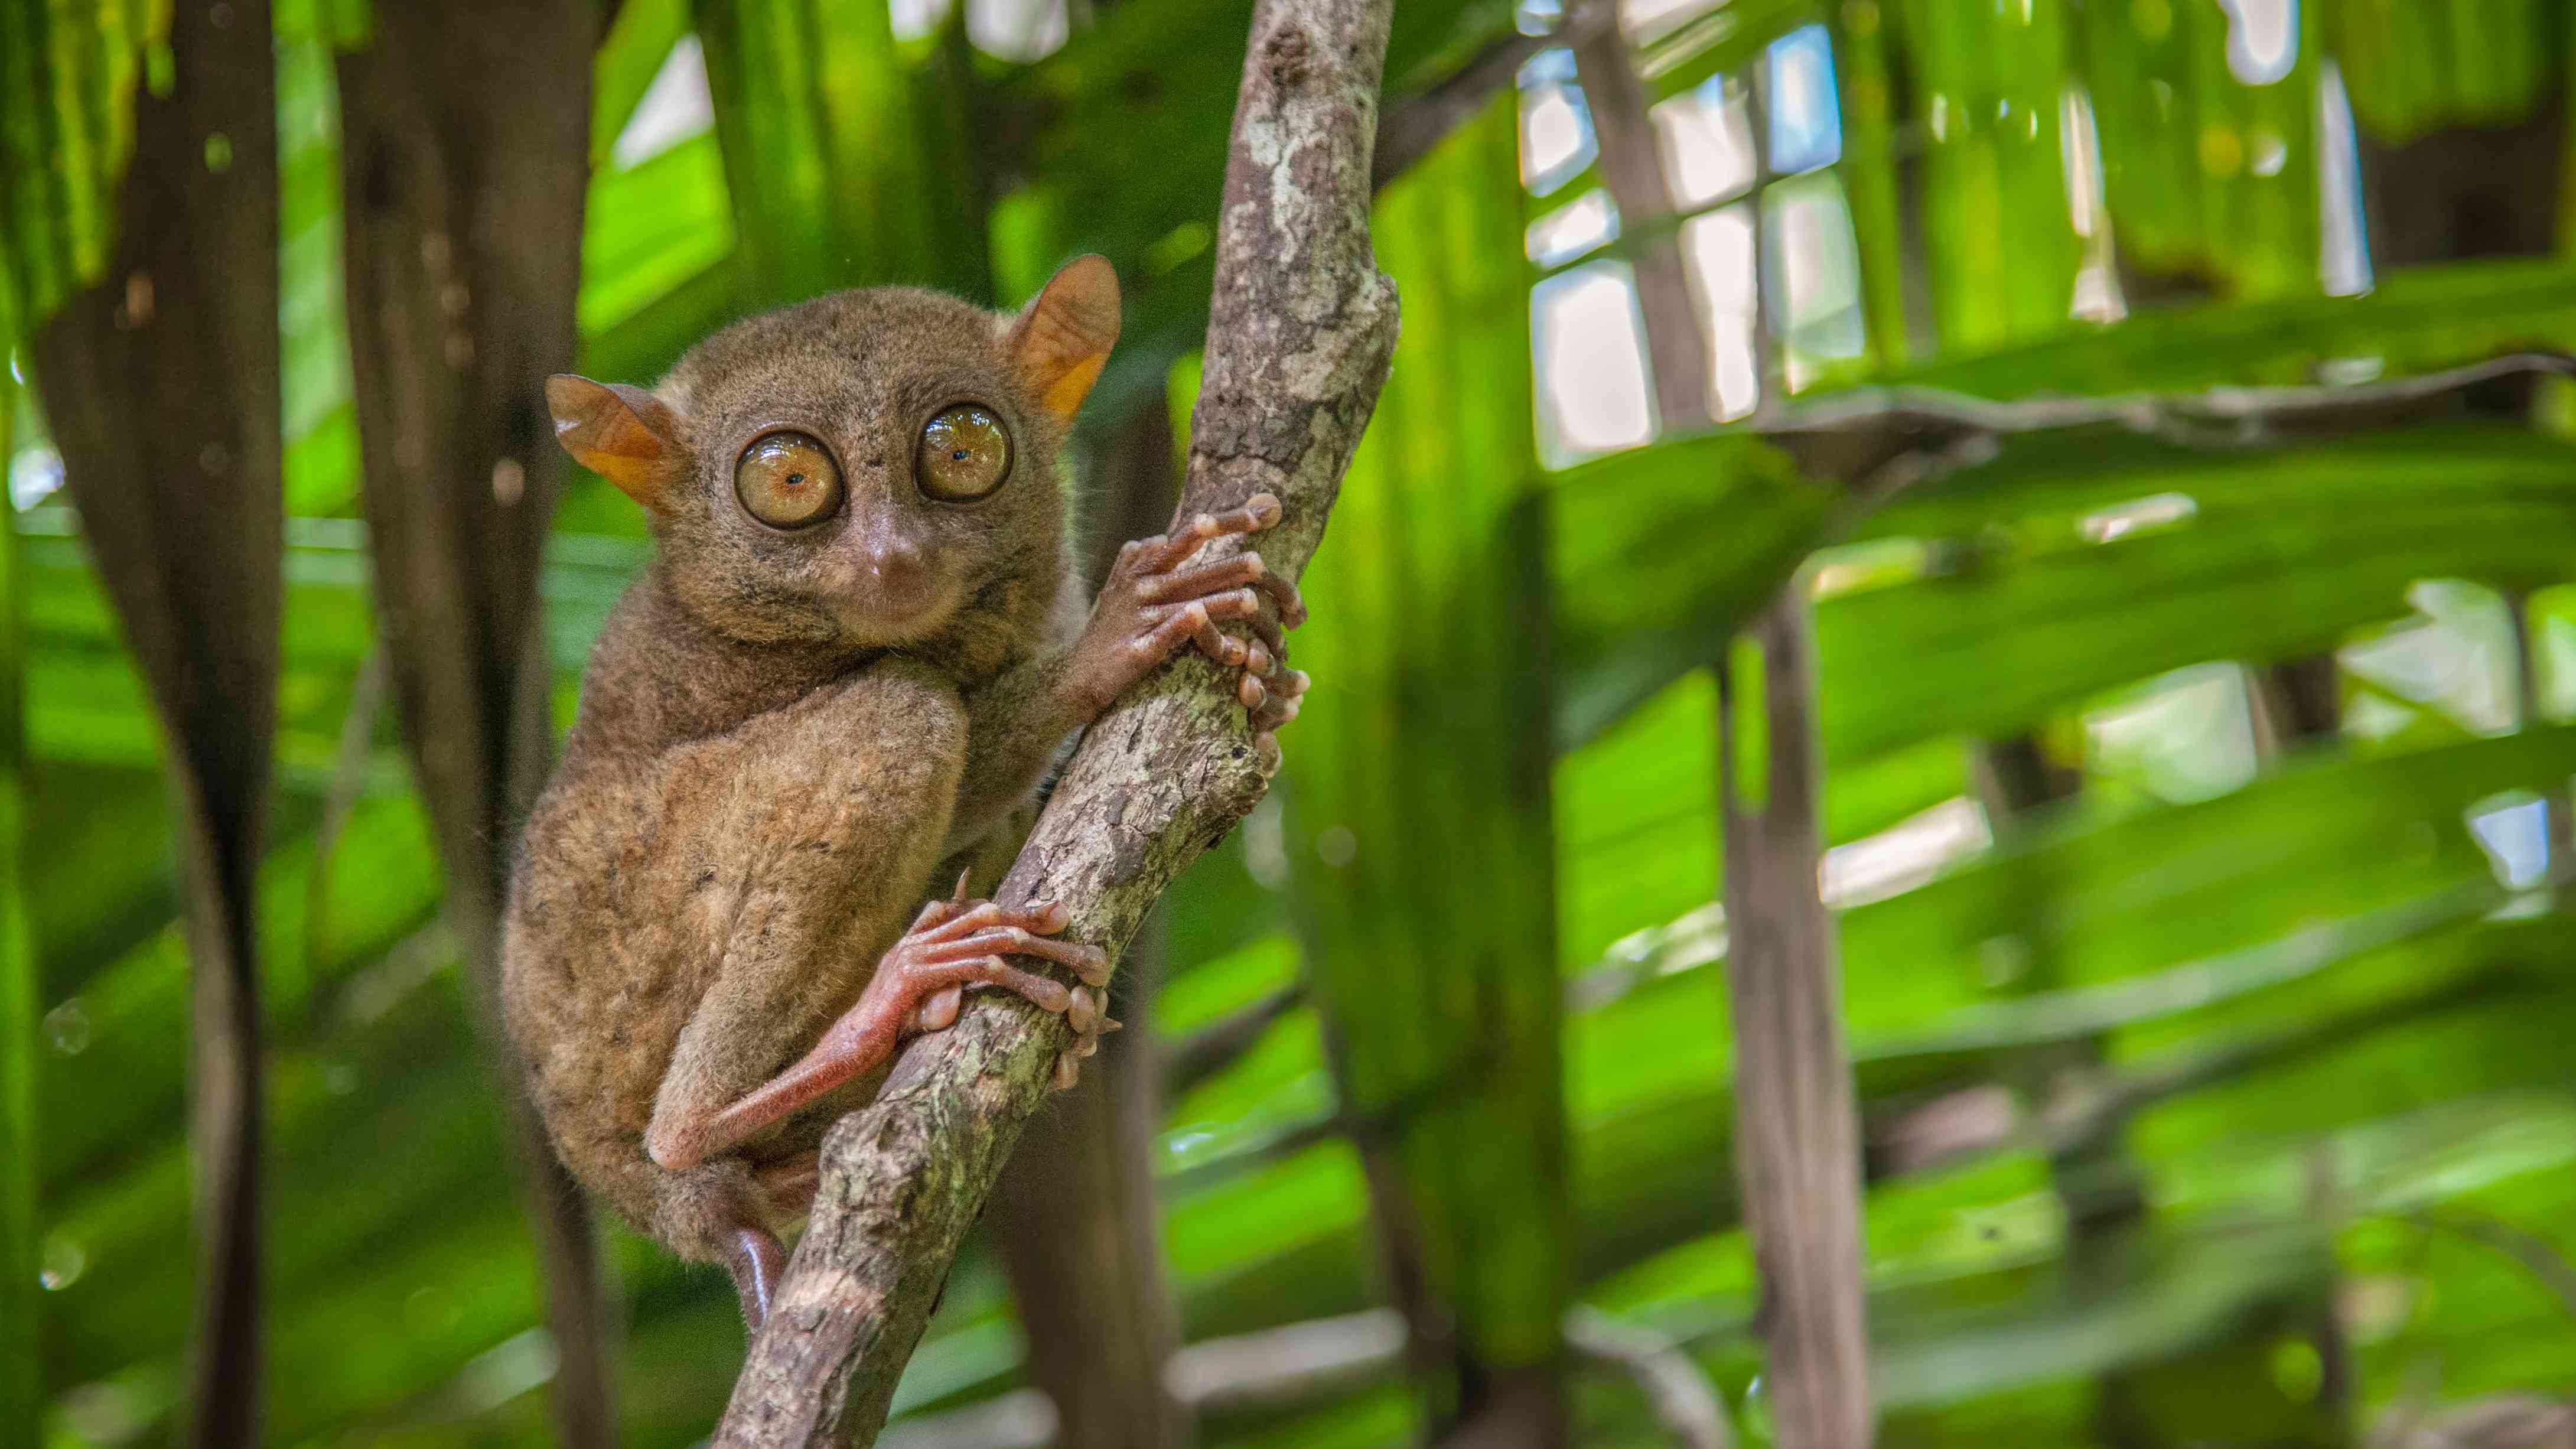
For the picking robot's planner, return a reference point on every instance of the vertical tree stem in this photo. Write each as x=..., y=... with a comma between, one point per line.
x=1797, y=1123
x=161, y=381
x=465, y=163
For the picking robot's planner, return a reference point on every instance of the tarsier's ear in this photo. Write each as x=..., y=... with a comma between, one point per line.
x=624, y=434
x=1065, y=333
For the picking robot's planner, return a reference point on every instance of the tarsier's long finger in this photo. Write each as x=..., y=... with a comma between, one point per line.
x=1244, y=570
x=931, y=915
x=1282, y=696
x=1200, y=580
x=1163, y=550
x=1282, y=594
x=1068, y=1070
x=1191, y=623
x=1266, y=680
x=1043, y=918
x=1243, y=606
x=1088, y=962
x=1047, y=993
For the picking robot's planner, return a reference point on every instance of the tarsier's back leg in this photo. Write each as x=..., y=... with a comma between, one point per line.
x=827, y=819
x=776, y=859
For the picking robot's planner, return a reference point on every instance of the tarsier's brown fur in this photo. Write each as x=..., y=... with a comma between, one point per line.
x=788, y=741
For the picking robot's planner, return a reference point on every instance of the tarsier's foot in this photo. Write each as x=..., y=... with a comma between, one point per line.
x=952, y=945
x=960, y=943
x=1151, y=606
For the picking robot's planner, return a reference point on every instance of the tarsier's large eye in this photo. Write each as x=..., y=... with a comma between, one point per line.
x=787, y=480
x=964, y=454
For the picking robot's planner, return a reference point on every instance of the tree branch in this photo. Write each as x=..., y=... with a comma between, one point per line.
x=1300, y=334
x=1877, y=440
x=466, y=146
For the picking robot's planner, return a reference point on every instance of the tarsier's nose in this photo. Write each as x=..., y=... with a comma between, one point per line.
x=896, y=571
x=893, y=578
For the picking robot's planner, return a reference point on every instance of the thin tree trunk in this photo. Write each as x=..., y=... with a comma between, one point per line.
x=1797, y=1120
x=1301, y=331
x=161, y=382
x=465, y=160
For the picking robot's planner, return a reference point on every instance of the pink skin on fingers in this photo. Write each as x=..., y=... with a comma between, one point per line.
x=1010, y=940
x=1162, y=551
x=1200, y=580
x=1190, y=623
x=938, y=1011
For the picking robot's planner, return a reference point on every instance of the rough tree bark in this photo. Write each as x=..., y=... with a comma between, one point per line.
x=1301, y=331
x=465, y=164
x=161, y=381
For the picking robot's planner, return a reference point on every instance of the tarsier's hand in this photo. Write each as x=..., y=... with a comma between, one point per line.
x=1151, y=606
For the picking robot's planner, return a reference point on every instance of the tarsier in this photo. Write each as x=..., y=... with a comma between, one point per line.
x=860, y=645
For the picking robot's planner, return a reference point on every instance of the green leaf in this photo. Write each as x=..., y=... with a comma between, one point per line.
x=20, y=1009
x=2282, y=553
x=67, y=79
